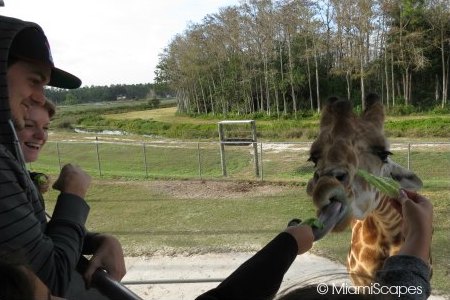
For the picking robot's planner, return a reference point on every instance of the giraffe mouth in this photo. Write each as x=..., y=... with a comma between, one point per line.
x=329, y=216
x=331, y=199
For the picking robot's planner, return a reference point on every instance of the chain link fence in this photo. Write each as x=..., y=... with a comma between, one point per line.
x=276, y=161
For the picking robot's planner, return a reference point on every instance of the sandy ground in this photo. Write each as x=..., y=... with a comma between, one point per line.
x=206, y=267
x=215, y=267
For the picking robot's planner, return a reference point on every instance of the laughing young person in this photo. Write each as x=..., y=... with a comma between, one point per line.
x=33, y=137
x=51, y=248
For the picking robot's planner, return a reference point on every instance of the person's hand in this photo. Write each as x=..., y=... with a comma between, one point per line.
x=417, y=212
x=44, y=188
x=44, y=185
x=304, y=236
x=108, y=256
x=41, y=180
x=73, y=180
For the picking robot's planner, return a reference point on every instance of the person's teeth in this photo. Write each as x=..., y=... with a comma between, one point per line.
x=33, y=145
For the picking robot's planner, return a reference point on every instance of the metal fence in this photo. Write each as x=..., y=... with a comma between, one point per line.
x=276, y=161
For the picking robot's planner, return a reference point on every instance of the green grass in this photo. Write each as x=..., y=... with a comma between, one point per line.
x=153, y=220
x=436, y=126
x=135, y=117
x=111, y=106
x=177, y=159
x=167, y=123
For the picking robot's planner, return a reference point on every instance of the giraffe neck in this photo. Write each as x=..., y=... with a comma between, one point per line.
x=388, y=220
x=374, y=239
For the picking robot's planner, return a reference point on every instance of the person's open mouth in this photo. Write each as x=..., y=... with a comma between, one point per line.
x=33, y=146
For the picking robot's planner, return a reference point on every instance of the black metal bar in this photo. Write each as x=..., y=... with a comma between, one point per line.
x=109, y=287
x=172, y=281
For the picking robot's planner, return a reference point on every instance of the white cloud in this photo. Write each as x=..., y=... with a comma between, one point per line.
x=110, y=41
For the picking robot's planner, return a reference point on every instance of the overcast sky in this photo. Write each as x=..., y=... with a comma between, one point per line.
x=108, y=42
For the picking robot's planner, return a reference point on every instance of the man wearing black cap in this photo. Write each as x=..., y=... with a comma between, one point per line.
x=51, y=249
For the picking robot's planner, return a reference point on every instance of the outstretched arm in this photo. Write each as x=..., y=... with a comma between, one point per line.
x=260, y=277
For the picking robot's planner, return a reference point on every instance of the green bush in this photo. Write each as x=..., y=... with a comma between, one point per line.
x=154, y=103
x=438, y=110
x=402, y=110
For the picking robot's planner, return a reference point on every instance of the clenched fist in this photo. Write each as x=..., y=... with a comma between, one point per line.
x=73, y=180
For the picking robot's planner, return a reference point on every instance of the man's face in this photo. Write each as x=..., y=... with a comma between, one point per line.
x=26, y=83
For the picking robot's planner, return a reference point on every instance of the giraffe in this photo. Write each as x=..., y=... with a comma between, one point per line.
x=347, y=142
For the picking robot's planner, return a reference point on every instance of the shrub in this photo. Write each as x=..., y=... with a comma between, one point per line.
x=402, y=110
x=438, y=110
x=294, y=134
x=154, y=103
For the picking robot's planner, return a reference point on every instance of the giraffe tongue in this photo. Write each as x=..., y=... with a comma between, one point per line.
x=329, y=216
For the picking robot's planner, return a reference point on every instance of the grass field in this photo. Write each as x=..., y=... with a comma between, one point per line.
x=192, y=160
x=165, y=122
x=165, y=115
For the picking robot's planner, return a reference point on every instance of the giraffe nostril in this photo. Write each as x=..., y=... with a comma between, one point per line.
x=341, y=176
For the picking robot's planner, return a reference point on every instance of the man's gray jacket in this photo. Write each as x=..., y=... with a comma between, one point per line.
x=52, y=249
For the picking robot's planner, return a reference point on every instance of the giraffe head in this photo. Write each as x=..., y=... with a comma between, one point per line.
x=347, y=142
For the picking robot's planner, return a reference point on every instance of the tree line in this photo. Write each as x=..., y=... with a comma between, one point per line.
x=283, y=57
x=108, y=93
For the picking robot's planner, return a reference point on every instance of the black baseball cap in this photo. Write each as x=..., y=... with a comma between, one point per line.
x=31, y=44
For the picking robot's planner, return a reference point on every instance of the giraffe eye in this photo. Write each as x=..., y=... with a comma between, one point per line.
x=314, y=158
x=383, y=155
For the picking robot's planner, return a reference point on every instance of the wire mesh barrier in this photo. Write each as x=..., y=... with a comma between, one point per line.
x=278, y=161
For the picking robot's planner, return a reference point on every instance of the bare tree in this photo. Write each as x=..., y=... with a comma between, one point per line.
x=281, y=55
x=439, y=19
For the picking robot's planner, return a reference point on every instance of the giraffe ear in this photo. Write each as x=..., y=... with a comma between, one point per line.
x=374, y=111
x=407, y=179
x=342, y=107
x=335, y=109
x=371, y=99
x=331, y=100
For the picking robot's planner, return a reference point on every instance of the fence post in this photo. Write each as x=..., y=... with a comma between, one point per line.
x=222, y=151
x=98, y=157
x=59, y=156
x=255, y=147
x=261, y=162
x=145, y=160
x=199, y=161
x=409, y=156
